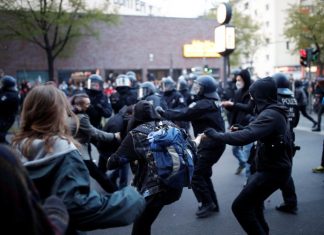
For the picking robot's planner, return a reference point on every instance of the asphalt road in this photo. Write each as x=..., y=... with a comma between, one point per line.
x=179, y=218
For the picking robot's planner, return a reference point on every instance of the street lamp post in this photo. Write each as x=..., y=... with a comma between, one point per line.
x=224, y=35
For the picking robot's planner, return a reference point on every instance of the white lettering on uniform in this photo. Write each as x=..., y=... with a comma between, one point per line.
x=289, y=101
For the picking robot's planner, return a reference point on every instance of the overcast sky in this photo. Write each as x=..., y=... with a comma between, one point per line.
x=187, y=8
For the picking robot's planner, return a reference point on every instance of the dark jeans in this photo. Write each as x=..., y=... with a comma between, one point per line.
x=202, y=184
x=248, y=205
x=154, y=204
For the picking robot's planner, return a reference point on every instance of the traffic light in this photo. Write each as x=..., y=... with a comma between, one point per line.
x=307, y=56
x=315, y=55
x=207, y=70
x=303, y=57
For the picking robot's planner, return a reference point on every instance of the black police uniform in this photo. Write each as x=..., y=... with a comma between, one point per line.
x=100, y=107
x=174, y=100
x=203, y=113
x=124, y=96
x=9, y=104
x=288, y=191
x=117, y=123
x=156, y=100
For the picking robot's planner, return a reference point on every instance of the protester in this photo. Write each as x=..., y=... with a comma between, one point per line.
x=84, y=133
x=54, y=163
x=21, y=208
x=135, y=147
x=273, y=160
x=240, y=117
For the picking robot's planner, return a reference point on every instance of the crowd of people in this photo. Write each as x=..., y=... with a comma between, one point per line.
x=59, y=126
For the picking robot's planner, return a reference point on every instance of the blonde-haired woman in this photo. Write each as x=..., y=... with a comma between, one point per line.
x=55, y=165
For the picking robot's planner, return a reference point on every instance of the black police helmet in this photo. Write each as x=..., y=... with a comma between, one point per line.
x=96, y=82
x=208, y=86
x=8, y=82
x=168, y=84
x=132, y=76
x=282, y=83
x=146, y=89
x=182, y=84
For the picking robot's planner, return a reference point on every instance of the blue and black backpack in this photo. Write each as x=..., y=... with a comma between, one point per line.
x=170, y=154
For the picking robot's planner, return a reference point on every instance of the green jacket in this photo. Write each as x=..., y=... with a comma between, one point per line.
x=64, y=174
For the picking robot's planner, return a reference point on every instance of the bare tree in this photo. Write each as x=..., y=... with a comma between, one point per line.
x=50, y=24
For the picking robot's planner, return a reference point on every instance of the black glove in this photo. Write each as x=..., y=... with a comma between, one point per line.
x=160, y=110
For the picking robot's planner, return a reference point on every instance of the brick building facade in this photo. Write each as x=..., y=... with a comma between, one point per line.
x=143, y=44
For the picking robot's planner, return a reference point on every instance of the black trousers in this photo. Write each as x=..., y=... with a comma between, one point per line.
x=154, y=204
x=302, y=109
x=202, y=184
x=248, y=205
x=289, y=193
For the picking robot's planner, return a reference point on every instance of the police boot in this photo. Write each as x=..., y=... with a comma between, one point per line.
x=205, y=210
x=291, y=209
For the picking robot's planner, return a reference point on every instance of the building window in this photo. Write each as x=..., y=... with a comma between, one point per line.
x=287, y=45
x=267, y=40
x=33, y=76
x=267, y=57
x=256, y=12
x=267, y=7
x=246, y=6
x=267, y=24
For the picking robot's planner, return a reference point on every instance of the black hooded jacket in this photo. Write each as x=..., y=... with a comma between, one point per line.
x=268, y=129
x=242, y=96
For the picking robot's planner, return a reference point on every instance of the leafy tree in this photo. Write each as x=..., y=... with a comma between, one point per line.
x=50, y=24
x=305, y=26
x=247, y=38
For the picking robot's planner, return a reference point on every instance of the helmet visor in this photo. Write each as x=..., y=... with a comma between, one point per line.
x=142, y=92
x=195, y=89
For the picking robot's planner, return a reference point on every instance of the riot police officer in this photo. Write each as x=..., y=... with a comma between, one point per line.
x=286, y=97
x=124, y=95
x=173, y=98
x=204, y=113
x=100, y=106
x=183, y=88
x=147, y=91
x=134, y=83
x=9, y=104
